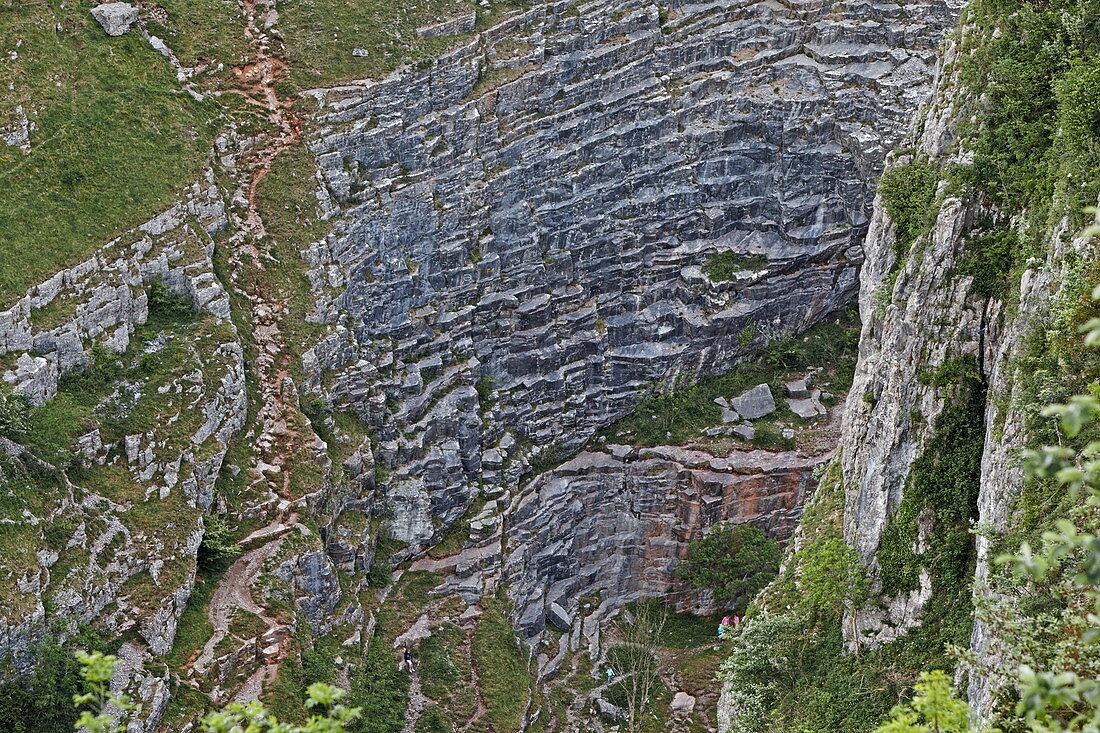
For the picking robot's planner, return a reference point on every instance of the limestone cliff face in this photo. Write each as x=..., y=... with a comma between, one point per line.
x=520, y=226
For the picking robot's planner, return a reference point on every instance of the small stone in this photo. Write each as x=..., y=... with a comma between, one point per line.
x=116, y=18
x=360, y=52
x=729, y=416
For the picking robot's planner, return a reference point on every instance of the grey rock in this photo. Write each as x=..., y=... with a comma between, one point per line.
x=462, y=24
x=464, y=226
x=682, y=703
x=559, y=617
x=797, y=389
x=745, y=431
x=756, y=402
x=116, y=18
x=608, y=710
x=597, y=525
x=807, y=409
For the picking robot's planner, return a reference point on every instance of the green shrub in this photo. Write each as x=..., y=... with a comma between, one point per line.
x=989, y=258
x=734, y=561
x=908, y=192
x=217, y=548
x=722, y=266
x=167, y=307
x=42, y=701
x=14, y=416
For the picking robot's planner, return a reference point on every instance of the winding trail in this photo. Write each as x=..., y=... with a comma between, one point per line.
x=276, y=440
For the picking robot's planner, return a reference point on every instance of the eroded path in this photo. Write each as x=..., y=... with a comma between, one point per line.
x=280, y=433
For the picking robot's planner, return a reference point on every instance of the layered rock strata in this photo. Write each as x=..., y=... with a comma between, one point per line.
x=520, y=228
x=615, y=524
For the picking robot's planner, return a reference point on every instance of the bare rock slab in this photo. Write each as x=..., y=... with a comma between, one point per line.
x=808, y=409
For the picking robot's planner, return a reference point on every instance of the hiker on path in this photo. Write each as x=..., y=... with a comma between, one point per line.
x=407, y=661
x=610, y=674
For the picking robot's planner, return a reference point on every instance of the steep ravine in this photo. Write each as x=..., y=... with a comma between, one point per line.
x=517, y=253
x=929, y=478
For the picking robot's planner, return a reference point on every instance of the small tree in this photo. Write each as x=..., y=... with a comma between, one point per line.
x=933, y=709
x=638, y=655
x=734, y=561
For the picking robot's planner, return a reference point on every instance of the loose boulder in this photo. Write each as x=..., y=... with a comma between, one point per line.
x=798, y=390
x=116, y=18
x=757, y=402
x=606, y=709
x=682, y=703
x=807, y=409
x=559, y=617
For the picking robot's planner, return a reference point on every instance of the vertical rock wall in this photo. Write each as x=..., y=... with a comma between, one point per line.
x=520, y=227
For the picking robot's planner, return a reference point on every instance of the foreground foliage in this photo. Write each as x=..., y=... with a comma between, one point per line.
x=327, y=713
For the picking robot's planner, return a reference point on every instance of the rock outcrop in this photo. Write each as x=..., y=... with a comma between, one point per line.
x=116, y=543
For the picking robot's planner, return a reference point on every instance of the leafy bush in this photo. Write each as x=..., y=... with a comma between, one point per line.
x=734, y=561
x=934, y=707
x=989, y=257
x=167, y=307
x=14, y=416
x=722, y=266
x=908, y=192
x=42, y=701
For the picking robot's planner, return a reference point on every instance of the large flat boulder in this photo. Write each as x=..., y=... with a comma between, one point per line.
x=807, y=409
x=757, y=402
